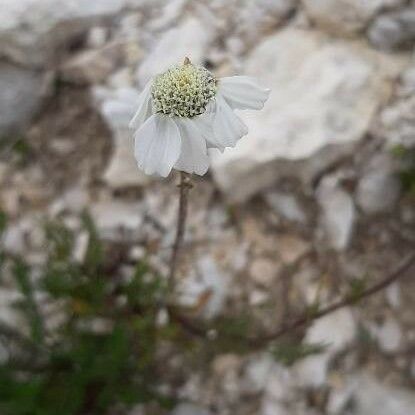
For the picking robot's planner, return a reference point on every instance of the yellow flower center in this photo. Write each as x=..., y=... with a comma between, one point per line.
x=183, y=91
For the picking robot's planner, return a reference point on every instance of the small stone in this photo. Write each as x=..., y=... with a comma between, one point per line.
x=97, y=37
x=337, y=213
x=334, y=331
x=111, y=217
x=189, y=409
x=256, y=373
x=258, y=297
x=389, y=335
x=226, y=363
x=379, y=188
x=393, y=295
x=264, y=271
x=340, y=397
x=81, y=247
x=291, y=248
x=122, y=170
x=205, y=292
x=286, y=205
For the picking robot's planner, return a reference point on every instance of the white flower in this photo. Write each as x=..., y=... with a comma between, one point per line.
x=186, y=110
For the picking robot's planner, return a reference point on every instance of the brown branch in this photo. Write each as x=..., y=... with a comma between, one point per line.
x=397, y=273
x=185, y=186
x=260, y=340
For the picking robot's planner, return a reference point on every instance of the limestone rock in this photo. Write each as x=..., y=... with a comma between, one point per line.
x=286, y=205
x=31, y=31
x=324, y=96
x=378, y=189
x=393, y=30
x=189, y=409
x=205, y=292
x=345, y=16
x=374, y=398
x=117, y=109
x=397, y=123
x=389, y=335
x=21, y=94
x=190, y=39
x=336, y=330
x=92, y=66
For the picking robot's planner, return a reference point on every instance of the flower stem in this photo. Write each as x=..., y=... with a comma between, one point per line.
x=184, y=186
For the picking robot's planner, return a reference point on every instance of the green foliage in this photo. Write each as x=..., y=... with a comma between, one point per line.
x=407, y=172
x=15, y=147
x=357, y=288
x=101, y=353
x=288, y=353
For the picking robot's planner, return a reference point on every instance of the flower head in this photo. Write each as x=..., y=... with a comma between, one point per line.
x=186, y=110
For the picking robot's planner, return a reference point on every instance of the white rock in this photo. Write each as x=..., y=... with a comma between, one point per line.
x=122, y=170
x=97, y=37
x=345, y=16
x=257, y=17
x=258, y=297
x=394, y=29
x=324, y=95
x=279, y=391
x=256, y=373
x=379, y=188
x=312, y=371
x=209, y=283
x=373, y=398
x=340, y=396
x=111, y=216
x=291, y=248
x=189, y=409
x=286, y=205
x=393, y=295
x=190, y=39
x=270, y=407
x=336, y=331
x=389, y=335
x=397, y=123
x=92, y=66
x=263, y=271
x=21, y=94
x=80, y=247
x=31, y=31
x=117, y=110
x=337, y=213
x=170, y=13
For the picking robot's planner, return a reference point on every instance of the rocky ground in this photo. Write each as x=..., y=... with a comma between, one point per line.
x=309, y=201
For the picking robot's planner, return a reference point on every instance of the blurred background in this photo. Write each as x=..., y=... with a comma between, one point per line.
x=316, y=203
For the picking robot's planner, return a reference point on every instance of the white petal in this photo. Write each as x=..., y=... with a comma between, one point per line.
x=193, y=157
x=204, y=123
x=227, y=127
x=243, y=92
x=144, y=107
x=157, y=145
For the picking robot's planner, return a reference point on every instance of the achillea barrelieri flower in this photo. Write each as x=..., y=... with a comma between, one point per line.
x=186, y=110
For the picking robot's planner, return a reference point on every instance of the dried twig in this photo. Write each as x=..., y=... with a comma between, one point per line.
x=185, y=186
x=308, y=317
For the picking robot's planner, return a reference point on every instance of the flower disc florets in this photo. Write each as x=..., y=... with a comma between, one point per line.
x=183, y=91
